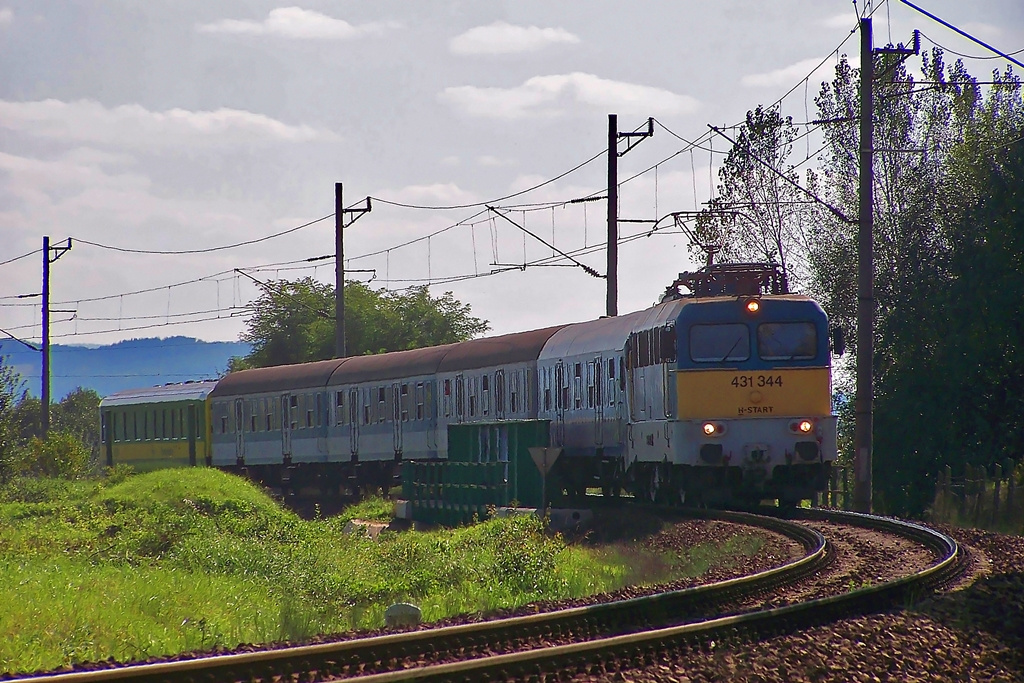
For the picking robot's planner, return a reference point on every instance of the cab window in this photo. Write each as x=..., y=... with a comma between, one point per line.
x=719, y=343
x=787, y=341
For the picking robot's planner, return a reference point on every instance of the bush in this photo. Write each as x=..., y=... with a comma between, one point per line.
x=61, y=455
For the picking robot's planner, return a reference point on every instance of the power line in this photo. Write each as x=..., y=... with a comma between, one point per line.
x=18, y=258
x=492, y=201
x=952, y=52
x=206, y=250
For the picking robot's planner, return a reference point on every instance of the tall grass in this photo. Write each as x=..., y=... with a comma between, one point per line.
x=170, y=561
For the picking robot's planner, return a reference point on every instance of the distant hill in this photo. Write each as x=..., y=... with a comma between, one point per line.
x=127, y=364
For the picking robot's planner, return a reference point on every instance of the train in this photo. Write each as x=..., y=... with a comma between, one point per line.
x=716, y=395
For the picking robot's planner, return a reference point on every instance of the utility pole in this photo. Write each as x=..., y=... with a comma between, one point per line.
x=339, y=265
x=864, y=405
x=45, y=379
x=612, y=272
x=865, y=279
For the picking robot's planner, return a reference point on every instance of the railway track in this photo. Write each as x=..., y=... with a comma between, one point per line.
x=583, y=639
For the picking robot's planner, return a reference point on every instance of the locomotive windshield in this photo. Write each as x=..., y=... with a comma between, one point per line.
x=787, y=341
x=719, y=343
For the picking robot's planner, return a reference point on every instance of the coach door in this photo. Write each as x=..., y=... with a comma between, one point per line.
x=594, y=380
x=354, y=417
x=396, y=416
x=430, y=409
x=460, y=398
x=499, y=394
x=286, y=424
x=239, y=427
x=561, y=399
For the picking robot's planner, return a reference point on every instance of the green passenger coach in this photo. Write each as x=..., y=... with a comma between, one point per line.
x=164, y=426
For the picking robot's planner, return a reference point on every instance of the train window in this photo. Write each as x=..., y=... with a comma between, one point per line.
x=319, y=410
x=577, y=386
x=381, y=407
x=419, y=400
x=485, y=394
x=447, y=399
x=405, y=403
x=460, y=395
x=719, y=343
x=339, y=408
x=513, y=390
x=668, y=344
x=787, y=341
x=472, y=396
x=622, y=373
x=591, y=392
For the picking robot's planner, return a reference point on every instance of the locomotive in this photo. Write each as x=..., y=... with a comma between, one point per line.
x=718, y=395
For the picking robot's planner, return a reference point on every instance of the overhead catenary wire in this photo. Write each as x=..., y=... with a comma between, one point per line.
x=474, y=205
x=205, y=250
x=18, y=258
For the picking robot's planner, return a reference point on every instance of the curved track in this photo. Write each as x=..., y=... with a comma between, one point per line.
x=610, y=631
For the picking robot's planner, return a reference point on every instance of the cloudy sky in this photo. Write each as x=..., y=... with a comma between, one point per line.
x=186, y=125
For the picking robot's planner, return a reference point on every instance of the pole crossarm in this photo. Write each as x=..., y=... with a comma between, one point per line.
x=357, y=212
x=636, y=137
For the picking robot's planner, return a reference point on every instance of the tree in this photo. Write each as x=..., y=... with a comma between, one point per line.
x=759, y=212
x=78, y=414
x=11, y=387
x=947, y=266
x=293, y=322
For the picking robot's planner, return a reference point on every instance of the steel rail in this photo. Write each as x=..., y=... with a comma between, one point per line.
x=352, y=656
x=643, y=646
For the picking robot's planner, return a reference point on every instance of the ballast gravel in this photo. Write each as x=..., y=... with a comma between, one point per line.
x=974, y=632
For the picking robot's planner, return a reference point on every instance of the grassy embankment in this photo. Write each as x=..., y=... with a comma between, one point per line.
x=181, y=560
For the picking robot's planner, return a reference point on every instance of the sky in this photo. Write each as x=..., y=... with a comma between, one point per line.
x=189, y=125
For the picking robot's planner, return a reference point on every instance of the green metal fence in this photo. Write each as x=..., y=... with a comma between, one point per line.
x=489, y=465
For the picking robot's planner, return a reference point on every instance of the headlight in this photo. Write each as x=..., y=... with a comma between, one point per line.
x=713, y=428
x=753, y=306
x=801, y=426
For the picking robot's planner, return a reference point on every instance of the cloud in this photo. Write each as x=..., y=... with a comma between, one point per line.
x=504, y=38
x=788, y=75
x=441, y=194
x=983, y=30
x=6, y=16
x=489, y=160
x=550, y=96
x=847, y=20
x=294, y=22
x=132, y=125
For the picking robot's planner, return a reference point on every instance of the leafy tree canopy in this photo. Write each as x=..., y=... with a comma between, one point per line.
x=293, y=322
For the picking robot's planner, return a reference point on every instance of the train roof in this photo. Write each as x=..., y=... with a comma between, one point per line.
x=411, y=363
x=608, y=334
x=468, y=355
x=277, y=378
x=505, y=349
x=167, y=393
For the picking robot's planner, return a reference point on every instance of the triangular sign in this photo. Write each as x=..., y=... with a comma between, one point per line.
x=544, y=457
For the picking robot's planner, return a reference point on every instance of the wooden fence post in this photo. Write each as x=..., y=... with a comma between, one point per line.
x=1011, y=486
x=846, y=488
x=998, y=477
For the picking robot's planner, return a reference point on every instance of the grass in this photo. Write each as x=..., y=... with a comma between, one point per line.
x=178, y=560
